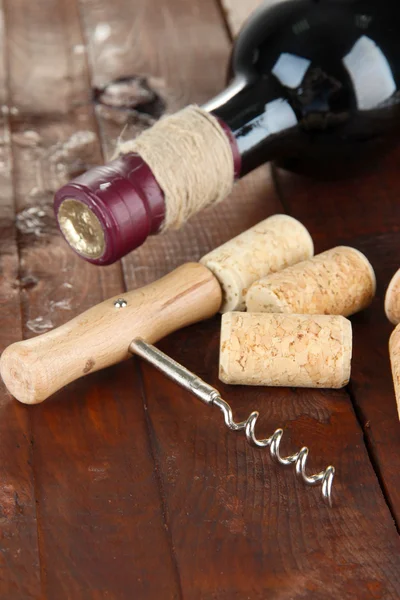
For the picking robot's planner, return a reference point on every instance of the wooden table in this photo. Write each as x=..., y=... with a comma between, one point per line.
x=123, y=486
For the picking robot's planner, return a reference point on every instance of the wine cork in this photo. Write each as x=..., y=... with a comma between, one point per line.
x=394, y=351
x=269, y=246
x=392, y=300
x=285, y=350
x=340, y=281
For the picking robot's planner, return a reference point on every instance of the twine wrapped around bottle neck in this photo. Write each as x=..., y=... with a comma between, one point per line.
x=191, y=159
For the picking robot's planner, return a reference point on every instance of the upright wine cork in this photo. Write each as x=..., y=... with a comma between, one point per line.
x=394, y=351
x=340, y=281
x=285, y=350
x=269, y=246
x=392, y=300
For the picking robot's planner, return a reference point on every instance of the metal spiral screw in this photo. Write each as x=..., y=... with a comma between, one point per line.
x=299, y=459
x=211, y=396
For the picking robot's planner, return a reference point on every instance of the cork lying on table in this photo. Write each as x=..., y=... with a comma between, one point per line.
x=269, y=246
x=392, y=300
x=285, y=350
x=340, y=281
x=394, y=351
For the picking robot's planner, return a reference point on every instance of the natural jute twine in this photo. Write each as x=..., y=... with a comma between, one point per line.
x=191, y=159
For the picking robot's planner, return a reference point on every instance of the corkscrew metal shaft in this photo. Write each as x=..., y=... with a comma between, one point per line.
x=211, y=396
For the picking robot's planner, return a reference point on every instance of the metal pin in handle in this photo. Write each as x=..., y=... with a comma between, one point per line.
x=211, y=396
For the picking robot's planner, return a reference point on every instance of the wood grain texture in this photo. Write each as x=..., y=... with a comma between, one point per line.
x=146, y=47
x=363, y=212
x=244, y=527
x=19, y=555
x=98, y=505
x=141, y=492
x=239, y=526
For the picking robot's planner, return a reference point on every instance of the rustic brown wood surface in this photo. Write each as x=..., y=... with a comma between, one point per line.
x=363, y=212
x=123, y=485
x=95, y=499
x=19, y=555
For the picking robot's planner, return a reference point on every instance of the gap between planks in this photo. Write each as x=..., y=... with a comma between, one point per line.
x=21, y=413
x=133, y=275
x=134, y=359
x=235, y=13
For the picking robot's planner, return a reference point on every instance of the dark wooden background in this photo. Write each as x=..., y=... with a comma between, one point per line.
x=123, y=486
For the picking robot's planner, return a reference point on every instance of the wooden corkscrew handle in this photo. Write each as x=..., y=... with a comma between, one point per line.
x=35, y=369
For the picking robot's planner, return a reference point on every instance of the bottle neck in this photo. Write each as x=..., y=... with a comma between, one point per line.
x=236, y=155
x=112, y=209
x=259, y=119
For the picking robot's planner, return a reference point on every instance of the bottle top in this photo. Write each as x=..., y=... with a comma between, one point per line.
x=109, y=211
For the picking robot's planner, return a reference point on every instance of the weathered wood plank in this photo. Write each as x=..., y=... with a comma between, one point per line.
x=367, y=218
x=19, y=555
x=147, y=43
x=239, y=525
x=99, y=508
x=243, y=526
x=364, y=213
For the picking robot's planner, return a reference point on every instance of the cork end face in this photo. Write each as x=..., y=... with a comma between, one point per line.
x=368, y=266
x=302, y=233
x=18, y=379
x=260, y=299
x=231, y=284
x=270, y=246
x=392, y=299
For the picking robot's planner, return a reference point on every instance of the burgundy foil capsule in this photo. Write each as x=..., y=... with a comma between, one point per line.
x=109, y=211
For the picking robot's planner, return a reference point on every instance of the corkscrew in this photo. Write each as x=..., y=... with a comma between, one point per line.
x=211, y=396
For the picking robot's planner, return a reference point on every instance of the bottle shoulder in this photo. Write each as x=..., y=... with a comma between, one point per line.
x=328, y=70
x=326, y=55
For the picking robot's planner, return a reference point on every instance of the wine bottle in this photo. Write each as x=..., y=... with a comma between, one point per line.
x=314, y=86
